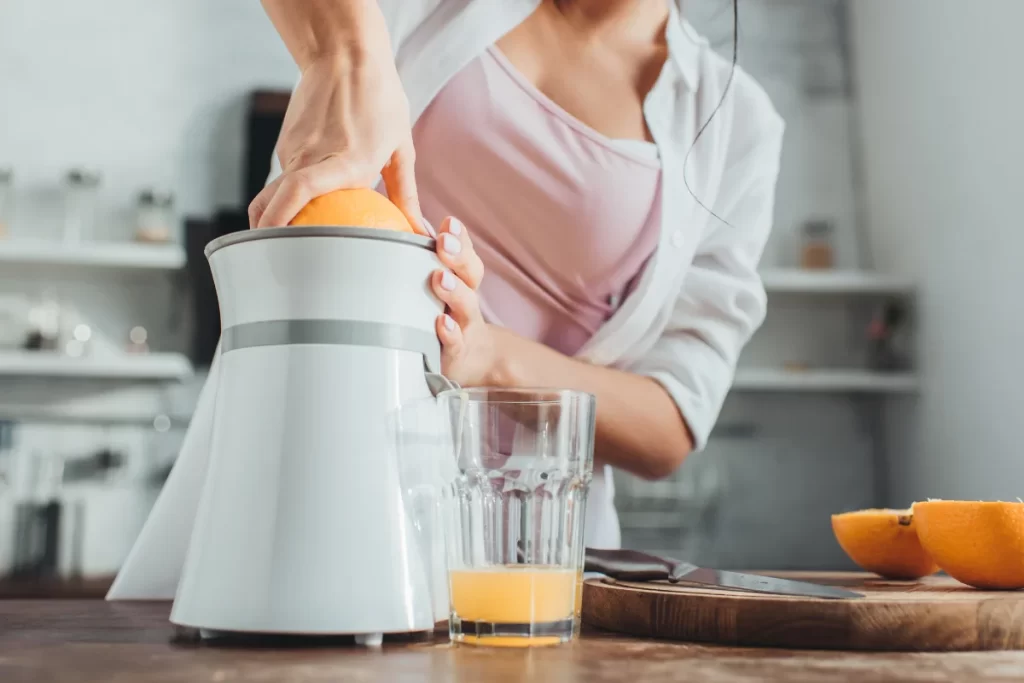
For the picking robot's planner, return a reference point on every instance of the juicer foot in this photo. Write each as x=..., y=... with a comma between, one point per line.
x=370, y=639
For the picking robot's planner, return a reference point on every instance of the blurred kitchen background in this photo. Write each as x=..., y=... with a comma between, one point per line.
x=889, y=369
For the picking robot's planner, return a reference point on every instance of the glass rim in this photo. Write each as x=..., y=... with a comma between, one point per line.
x=526, y=395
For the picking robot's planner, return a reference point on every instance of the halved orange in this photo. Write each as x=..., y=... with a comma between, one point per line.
x=978, y=543
x=357, y=208
x=884, y=542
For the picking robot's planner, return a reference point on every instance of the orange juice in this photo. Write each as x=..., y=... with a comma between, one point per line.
x=516, y=594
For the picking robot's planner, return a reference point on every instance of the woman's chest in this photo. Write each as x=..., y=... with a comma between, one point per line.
x=602, y=85
x=540, y=191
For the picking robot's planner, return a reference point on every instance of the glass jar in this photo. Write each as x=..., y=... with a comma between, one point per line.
x=138, y=340
x=46, y=318
x=154, y=217
x=817, y=250
x=6, y=200
x=81, y=190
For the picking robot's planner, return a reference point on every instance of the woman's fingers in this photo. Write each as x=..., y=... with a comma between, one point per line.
x=462, y=302
x=450, y=334
x=292, y=193
x=456, y=287
x=455, y=249
x=296, y=189
x=400, y=181
x=259, y=205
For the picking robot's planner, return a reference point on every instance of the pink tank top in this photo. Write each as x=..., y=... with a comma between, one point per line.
x=563, y=217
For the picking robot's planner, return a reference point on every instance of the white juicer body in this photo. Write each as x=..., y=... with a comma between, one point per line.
x=301, y=525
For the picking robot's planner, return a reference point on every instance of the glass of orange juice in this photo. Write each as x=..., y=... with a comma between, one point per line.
x=513, y=511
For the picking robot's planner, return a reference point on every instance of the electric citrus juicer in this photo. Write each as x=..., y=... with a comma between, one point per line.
x=284, y=511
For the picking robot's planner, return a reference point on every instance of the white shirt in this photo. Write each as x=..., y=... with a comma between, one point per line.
x=700, y=298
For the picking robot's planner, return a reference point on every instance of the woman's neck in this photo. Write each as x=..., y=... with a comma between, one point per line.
x=631, y=19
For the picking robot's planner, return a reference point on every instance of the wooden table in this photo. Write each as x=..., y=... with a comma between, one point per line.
x=88, y=640
x=36, y=589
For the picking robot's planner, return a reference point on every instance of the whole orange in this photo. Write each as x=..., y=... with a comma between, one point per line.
x=884, y=542
x=355, y=208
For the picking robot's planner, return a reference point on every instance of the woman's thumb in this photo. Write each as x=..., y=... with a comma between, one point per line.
x=400, y=180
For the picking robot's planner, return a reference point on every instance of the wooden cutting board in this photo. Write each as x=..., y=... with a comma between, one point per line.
x=933, y=614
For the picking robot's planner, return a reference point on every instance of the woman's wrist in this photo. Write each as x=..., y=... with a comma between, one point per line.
x=506, y=368
x=343, y=32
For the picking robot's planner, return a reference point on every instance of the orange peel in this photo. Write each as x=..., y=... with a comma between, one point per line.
x=884, y=542
x=357, y=208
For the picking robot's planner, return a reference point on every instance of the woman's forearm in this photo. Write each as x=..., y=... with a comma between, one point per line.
x=639, y=428
x=314, y=30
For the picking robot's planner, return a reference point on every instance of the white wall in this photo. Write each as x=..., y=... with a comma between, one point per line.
x=146, y=92
x=942, y=111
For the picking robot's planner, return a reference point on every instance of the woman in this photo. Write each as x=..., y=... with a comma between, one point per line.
x=612, y=174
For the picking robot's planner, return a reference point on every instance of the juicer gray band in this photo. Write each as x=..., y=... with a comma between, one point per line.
x=334, y=332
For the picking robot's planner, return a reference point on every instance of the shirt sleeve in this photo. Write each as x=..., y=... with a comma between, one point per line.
x=405, y=16
x=722, y=301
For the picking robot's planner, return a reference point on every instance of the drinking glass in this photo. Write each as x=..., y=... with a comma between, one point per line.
x=513, y=511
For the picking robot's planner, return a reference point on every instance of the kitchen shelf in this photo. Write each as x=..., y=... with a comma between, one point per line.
x=824, y=381
x=836, y=282
x=120, y=255
x=77, y=415
x=143, y=367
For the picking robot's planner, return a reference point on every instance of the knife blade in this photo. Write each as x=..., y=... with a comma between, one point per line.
x=633, y=565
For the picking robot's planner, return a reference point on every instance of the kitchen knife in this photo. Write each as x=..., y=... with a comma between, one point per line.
x=632, y=565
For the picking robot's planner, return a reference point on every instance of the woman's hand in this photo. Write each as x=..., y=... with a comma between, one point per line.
x=469, y=352
x=348, y=119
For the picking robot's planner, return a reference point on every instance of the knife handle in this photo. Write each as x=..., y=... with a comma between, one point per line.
x=627, y=565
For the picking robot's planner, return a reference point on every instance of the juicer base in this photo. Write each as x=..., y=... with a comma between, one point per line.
x=370, y=639
x=195, y=636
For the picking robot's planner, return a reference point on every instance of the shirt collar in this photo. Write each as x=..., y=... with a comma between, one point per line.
x=684, y=46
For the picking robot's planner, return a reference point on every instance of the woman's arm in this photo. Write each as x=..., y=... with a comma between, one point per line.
x=328, y=29
x=348, y=119
x=639, y=427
